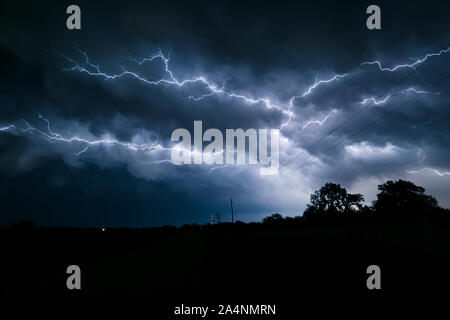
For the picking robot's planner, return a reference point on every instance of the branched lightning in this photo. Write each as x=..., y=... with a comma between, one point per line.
x=95, y=71
x=212, y=89
x=317, y=83
x=84, y=65
x=289, y=112
x=53, y=137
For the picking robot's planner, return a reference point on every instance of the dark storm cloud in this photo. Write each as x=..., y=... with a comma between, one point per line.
x=267, y=50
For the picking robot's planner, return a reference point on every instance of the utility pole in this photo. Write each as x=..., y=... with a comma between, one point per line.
x=232, y=213
x=218, y=218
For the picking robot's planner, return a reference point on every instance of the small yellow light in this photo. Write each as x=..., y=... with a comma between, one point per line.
x=103, y=229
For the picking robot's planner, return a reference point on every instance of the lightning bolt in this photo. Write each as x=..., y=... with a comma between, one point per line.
x=403, y=92
x=318, y=83
x=52, y=137
x=435, y=171
x=212, y=89
x=375, y=101
x=95, y=71
x=8, y=127
x=420, y=91
x=82, y=151
x=87, y=67
x=412, y=65
x=289, y=112
x=318, y=122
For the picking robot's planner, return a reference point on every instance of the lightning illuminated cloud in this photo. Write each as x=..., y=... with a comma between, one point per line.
x=53, y=137
x=212, y=89
x=91, y=69
x=95, y=71
x=56, y=137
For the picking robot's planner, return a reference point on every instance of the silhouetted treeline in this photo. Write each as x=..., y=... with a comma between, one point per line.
x=397, y=201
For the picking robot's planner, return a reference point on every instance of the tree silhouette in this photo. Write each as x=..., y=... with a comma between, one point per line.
x=332, y=200
x=273, y=219
x=403, y=198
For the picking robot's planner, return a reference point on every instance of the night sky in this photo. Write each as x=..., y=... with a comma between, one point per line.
x=62, y=90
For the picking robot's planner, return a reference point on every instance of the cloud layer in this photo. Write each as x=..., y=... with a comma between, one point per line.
x=81, y=111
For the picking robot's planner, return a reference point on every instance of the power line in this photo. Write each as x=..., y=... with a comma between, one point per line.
x=356, y=113
x=443, y=79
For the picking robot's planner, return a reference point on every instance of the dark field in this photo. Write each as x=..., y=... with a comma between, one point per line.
x=227, y=263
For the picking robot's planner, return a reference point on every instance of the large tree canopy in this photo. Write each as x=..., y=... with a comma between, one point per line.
x=333, y=199
x=403, y=197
